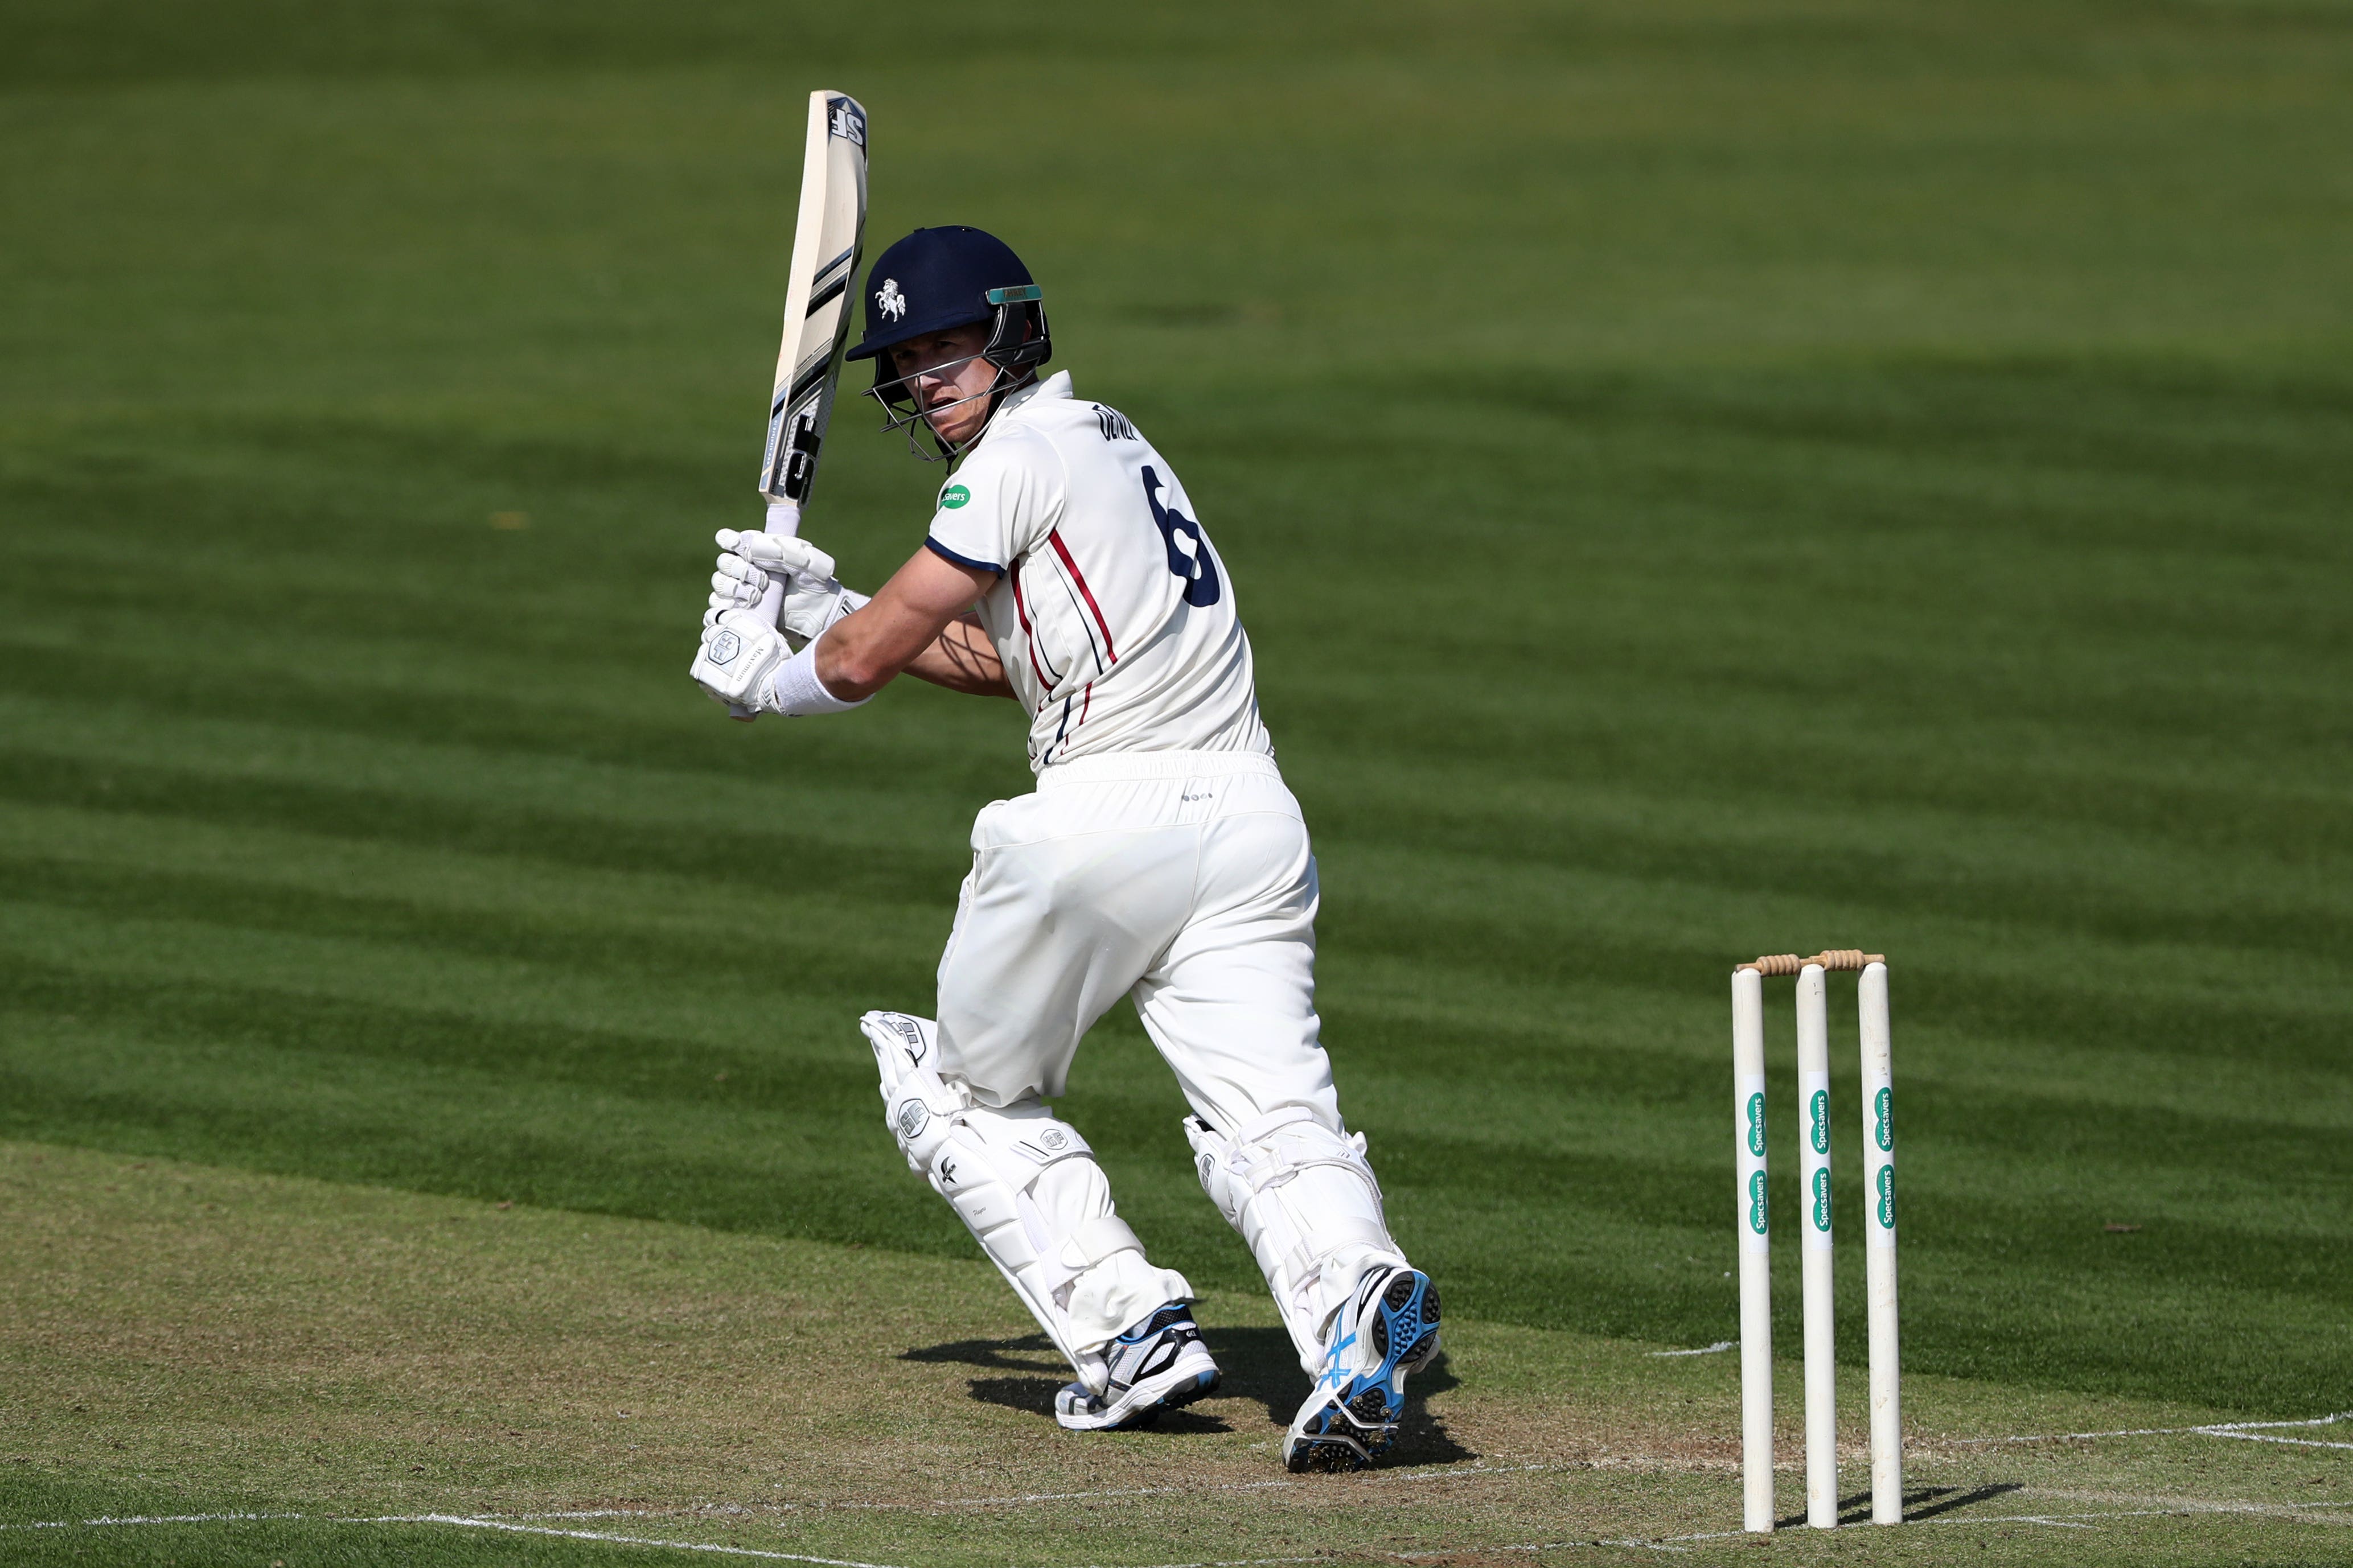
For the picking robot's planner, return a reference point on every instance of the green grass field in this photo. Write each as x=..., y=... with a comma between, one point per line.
x=1702, y=479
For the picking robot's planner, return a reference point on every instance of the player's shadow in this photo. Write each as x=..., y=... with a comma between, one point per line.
x=1045, y=1373
x=1259, y=1364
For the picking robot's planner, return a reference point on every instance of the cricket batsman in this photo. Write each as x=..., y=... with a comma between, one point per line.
x=1160, y=858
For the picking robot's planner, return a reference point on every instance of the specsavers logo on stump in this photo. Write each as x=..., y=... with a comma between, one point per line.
x=953, y=497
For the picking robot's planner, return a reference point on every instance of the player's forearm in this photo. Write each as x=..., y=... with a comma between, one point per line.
x=963, y=659
x=901, y=628
x=858, y=657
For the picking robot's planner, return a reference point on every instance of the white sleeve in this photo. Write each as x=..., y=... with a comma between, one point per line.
x=1000, y=505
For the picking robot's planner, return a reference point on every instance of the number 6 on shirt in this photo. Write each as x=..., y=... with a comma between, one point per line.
x=1189, y=560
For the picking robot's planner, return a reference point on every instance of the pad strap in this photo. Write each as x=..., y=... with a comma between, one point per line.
x=1092, y=1242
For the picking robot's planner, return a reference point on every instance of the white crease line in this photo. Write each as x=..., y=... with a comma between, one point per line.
x=1705, y=1349
x=2186, y=1511
x=2184, y=1508
x=2066, y=1436
x=589, y=1513
x=463, y=1520
x=145, y=1518
x=1419, y=1556
x=1025, y=1497
x=1663, y=1545
x=1036, y=1496
x=2254, y=1425
x=477, y=1523
x=467, y=1522
x=2210, y=1429
x=2186, y=1505
x=2267, y=1437
x=2064, y=1520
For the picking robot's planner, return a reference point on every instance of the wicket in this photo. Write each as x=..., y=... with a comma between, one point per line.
x=1755, y=1235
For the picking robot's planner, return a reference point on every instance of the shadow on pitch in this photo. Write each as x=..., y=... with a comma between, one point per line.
x=1920, y=1502
x=1259, y=1364
x=1034, y=1354
x=1928, y=1502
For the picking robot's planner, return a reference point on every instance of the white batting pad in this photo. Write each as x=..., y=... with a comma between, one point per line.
x=1027, y=1185
x=1304, y=1198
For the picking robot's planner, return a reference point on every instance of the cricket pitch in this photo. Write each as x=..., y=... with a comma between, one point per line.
x=375, y=1372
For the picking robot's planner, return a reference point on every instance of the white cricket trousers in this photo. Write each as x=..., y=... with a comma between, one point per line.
x=1181, y=880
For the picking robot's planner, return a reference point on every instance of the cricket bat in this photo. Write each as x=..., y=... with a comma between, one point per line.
x=817, y=304
x=826, y=243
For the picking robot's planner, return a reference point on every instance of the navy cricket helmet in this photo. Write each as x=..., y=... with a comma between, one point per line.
x=940, y=278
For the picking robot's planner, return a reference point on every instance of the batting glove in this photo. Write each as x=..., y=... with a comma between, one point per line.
x=751, y=562
x=738, y=661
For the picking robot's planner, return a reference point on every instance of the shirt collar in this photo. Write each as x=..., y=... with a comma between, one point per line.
x=1055, y=385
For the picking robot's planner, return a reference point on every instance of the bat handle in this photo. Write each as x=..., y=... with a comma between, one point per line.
x=785, y=518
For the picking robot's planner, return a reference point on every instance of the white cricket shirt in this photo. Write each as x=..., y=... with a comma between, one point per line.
x=1111, y=613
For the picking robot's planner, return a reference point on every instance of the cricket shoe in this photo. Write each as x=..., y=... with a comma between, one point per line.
x=1158, y=1364
x=1389, y=1328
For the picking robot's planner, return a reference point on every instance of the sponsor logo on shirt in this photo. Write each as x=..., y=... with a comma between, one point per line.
x=953, y=497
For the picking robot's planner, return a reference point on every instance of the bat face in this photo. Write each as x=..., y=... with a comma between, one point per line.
x=817, y=297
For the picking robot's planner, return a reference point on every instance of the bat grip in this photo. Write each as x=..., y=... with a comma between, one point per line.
x=785, y=518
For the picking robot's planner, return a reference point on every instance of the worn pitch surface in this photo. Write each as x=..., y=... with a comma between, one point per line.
x=1701, y=478
x=374, y=1371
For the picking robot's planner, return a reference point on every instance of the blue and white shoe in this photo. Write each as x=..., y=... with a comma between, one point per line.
x=1389, y=1328
x=1158, y=1364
